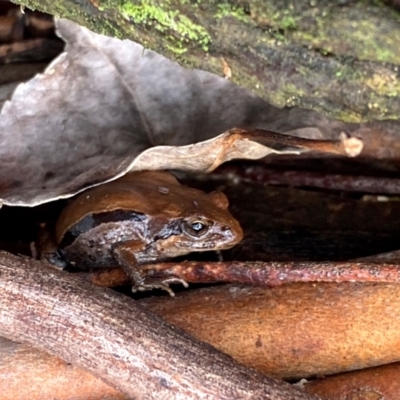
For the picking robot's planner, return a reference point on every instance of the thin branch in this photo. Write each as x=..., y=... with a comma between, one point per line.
x=260, y=273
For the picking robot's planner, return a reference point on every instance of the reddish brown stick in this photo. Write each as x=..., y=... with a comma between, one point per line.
x=259, y=273
x=279, y=273
x=113, y=337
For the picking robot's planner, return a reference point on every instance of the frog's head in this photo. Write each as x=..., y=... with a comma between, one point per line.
x=204, y=224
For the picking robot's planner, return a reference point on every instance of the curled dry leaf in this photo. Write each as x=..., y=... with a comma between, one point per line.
x=100, y=104
x=106, y=106
x=238, y=143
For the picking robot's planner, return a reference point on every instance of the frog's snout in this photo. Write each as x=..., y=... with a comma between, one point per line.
x=233, y=234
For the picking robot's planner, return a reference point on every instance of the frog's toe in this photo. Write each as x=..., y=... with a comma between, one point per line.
x=144, y=287
x=174, y=280
x=163, y=285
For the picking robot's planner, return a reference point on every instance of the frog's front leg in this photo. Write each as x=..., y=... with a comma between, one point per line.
x=124, y=254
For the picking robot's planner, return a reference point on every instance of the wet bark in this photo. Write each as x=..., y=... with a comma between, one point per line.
x=339, y=58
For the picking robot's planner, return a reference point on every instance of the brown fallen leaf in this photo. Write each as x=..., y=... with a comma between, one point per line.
x=379, y=383
x=231, y=321
x=132, y=349
x=28, y=373
x=293, y=331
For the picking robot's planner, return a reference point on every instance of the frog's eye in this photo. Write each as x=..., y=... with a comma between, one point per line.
x=195, y=227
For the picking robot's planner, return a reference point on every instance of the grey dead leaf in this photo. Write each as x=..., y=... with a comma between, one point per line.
x=106, y=106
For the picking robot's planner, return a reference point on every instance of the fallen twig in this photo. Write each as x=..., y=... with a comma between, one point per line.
x=272, y=273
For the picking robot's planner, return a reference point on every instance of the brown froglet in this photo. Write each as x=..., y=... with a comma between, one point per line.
x=141, y=218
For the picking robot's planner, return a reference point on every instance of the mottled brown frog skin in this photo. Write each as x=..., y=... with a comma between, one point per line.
x=141, y=218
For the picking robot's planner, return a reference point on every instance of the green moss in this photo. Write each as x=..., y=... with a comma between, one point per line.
x=179, y=30
x=384, y=83
x=285, y=21
x=343, y=34
x=288, y=23
x=105, y=27
x=232, y=11
x=178, y=48
x=336, y=32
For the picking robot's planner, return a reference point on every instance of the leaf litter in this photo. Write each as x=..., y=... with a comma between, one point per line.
x=107, y=106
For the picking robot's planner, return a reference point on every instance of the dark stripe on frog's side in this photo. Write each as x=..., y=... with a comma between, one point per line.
x=93, y=220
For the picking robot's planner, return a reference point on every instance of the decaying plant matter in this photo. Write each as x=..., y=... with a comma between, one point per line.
x=118, y=340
